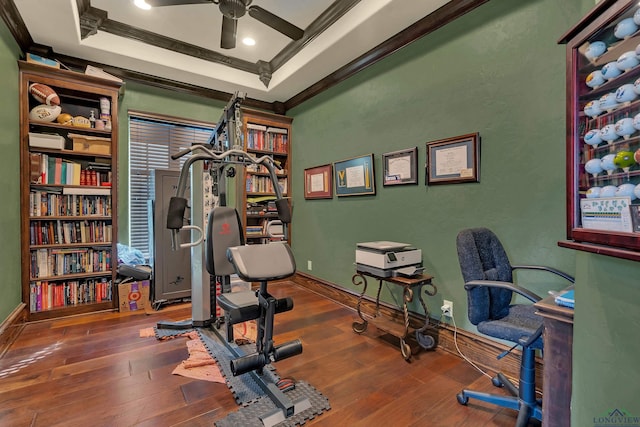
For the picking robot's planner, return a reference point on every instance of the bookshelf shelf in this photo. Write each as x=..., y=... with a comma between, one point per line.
x=68, y=196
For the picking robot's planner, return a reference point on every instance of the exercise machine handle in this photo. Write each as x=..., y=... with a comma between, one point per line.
x=178, y=203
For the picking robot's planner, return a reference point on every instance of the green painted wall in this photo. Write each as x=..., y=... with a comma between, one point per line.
x=159, y=101
x=10, y=290
x=605, y=339
x=498, y=71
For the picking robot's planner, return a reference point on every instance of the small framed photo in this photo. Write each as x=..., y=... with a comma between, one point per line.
x=355, y=177
x=318, y=182
x=453, y=160
x=400, y=167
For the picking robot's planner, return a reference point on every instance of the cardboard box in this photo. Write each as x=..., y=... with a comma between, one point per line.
x=91, y=144
x=134, y=295
x=46, y=140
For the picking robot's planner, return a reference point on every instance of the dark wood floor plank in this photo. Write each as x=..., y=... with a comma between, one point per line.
x=96, y=370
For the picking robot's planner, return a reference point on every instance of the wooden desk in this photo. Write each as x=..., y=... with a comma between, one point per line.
x=558, y=351
x=410, y=285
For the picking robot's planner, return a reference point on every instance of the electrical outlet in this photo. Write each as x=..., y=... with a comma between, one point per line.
x=447, y=308
x=309, y=265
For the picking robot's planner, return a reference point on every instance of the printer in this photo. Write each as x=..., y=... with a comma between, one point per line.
x=387, y=259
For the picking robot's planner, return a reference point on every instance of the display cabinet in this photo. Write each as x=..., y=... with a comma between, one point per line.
x=264, y=134
x=603, y=131
x=68, y=200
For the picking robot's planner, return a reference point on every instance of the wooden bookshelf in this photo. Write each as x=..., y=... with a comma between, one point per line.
x=264, y=134
x=68, y=197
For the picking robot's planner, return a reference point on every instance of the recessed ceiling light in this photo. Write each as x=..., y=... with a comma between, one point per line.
x=248, y=41
x=142, y=4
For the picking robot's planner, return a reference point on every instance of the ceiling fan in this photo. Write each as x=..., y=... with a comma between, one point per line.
x=231, y=11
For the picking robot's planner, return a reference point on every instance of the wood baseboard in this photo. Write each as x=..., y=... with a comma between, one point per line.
x=11, y=327
x=480, y=350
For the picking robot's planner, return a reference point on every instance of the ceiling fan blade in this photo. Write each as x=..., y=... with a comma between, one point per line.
x=228, y=37
x=275, y=22
x=158, y=3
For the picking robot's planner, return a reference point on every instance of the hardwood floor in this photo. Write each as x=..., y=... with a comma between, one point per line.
x=95, y=370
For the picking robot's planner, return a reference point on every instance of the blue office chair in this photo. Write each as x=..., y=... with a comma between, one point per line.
x=488, y=279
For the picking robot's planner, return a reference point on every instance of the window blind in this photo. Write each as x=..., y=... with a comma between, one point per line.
x=151, y=144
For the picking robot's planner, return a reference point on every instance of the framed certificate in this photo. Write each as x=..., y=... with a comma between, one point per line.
x=453, y=160
x=355, y=177
x=400, y=167
x=318, y=182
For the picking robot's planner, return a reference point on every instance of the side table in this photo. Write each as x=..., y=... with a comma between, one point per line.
x=411, y=286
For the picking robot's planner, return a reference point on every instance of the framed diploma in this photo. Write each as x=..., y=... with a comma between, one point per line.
x=400, y=167
x=318, y=182
x=453, y=160
x=355, y=177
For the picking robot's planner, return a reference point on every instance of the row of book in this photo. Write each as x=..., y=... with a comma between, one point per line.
x=60, y=262
x=263, y=169
x=45, y=295
x=47, y=203
x=64, y=232
x=263, y=184
x=47, y=169
x=265, y=138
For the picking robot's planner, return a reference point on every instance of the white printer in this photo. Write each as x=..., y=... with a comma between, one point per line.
x=383, y=258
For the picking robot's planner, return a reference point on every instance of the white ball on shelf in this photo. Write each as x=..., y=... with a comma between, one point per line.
x=44, y=112
x=595, y=50
x=592, y=108
x=593, y=166
x=624, y=127
x=626, y=93
x=628, y=60
x=636, y=17
x=636, y=121
x=625, y=28
x=608, y=191
x=608, y=101
x=610, y=70
x=636, y=86
x=592, y=137
x=595, y=79
x=607, y=163
x=625, y=190
x=608, y=133
x=593, y=192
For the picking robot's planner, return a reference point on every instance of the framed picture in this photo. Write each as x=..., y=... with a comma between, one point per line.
x=400, y=167
x=355, y=177
x=453, y=160
x=318, y=182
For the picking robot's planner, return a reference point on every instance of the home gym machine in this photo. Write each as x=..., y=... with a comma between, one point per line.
x=220, y=247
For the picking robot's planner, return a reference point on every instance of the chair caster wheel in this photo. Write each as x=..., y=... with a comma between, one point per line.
x=358, y=327
x=496, y=382
x=462, y=399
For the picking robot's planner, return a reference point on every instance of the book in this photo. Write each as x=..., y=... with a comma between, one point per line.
x=87, y=191
x=35, y=168
x=566, y=298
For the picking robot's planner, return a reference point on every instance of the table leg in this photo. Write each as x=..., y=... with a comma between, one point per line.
x=360, y=327
x=426, y=340
x=404, y=347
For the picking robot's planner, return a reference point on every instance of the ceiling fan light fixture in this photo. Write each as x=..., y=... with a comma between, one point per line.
x=234, y=9
x=249, y=41
x=142, y=4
